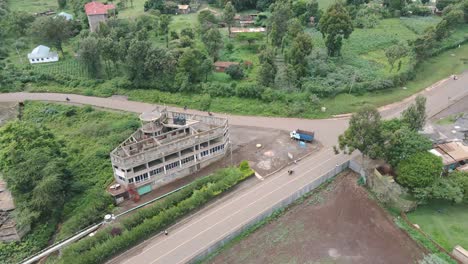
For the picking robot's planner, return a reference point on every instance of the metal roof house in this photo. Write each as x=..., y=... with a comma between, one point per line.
x=42, y=54
x=453, y=154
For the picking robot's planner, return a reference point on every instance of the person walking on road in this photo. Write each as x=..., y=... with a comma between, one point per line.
x=166, y=233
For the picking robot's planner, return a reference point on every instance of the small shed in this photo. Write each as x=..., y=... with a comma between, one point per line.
x=42, y=54
x=67, y=16
x=221, y=66
x=183, y=9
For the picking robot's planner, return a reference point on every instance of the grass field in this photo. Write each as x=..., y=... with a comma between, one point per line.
x=449, y=227
x=32, y=6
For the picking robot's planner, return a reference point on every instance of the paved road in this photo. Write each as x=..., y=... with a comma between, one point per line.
x=201, y=231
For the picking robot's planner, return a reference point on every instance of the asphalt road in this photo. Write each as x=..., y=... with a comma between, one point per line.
x=201, y=231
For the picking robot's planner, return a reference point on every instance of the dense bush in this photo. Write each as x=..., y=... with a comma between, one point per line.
x=150, y=220
x=419, y=170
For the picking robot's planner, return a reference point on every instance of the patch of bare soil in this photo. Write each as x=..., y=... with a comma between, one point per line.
x=339, y=224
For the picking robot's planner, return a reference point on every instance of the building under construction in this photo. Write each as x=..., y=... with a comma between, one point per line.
x=168, y=146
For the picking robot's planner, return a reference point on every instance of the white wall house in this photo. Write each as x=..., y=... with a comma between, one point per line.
x=42, y=54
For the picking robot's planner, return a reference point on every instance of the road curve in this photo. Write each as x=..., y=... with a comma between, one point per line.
x=439, y=96
x=200, y=232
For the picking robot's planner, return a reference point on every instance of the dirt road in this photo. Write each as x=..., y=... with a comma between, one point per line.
x=202, y=231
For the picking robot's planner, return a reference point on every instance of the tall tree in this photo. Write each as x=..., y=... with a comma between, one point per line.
x=278, y=22
x=135, y=60
x=164, y=22
x=364, y=133
x=335, y=25
x=52, y=30
x=300, y=49
x=415, y=115
x=403, y=143
x=213, y=41
x=89, y=54
x=229, y=13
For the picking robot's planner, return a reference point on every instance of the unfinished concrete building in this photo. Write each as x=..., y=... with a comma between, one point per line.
x=168, y=146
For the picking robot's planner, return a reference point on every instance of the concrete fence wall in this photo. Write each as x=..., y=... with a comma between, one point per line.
x=282, y=204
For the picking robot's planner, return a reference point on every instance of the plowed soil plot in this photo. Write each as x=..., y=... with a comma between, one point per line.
x=339, y=224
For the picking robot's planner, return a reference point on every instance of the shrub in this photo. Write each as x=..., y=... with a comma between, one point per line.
x=235, y=72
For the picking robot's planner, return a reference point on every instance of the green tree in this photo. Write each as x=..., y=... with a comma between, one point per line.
x=443, y=188
x=164, y=22
x=17, y=23
x=109, y=53
x=364, y=133
x=235, y=72
x=62, y=3
x=402, y=143
x=278, y=22
x=465, y=10
x=213, y=41
x=250, y=38
x=89, y=54
x=206, y=16
x=52, y=30
x=419, y=171
x=453, y=17
x=441, y=4
x=395, y=53
x=135, y=60
x=188, y=68
x=266, y=74
x=229, y=13
x=415, y=115
x=335, y=25
x=206, y=67
x=300, y=49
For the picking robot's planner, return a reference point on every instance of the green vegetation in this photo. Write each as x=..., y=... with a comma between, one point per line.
x=85, y=137
x=424, y=241
x=445, y=222
x=33, y=6
x=448, y=120
x=155, y=218
x=419, y=170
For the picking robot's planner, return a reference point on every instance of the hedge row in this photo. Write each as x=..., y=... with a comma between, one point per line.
x=153, y=219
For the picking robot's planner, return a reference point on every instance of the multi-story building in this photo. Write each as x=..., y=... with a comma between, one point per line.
x=168, y=146
x=97, y=13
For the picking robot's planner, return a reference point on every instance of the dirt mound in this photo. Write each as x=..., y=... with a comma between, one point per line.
x=339, y=224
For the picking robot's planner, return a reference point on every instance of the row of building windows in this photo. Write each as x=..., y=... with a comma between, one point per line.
x=139, y=178
x=156, y=171
x=41, y=59
x=211, y=151
x=172, y=165
x=217, y=148
x=145, y=176
x=188, y=159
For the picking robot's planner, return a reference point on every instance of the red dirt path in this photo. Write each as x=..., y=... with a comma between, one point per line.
x=340, y=224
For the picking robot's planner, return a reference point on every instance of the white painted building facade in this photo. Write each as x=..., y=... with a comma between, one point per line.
x=42, y=54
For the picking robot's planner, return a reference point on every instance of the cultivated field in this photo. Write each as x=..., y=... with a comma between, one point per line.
x=338, y=224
